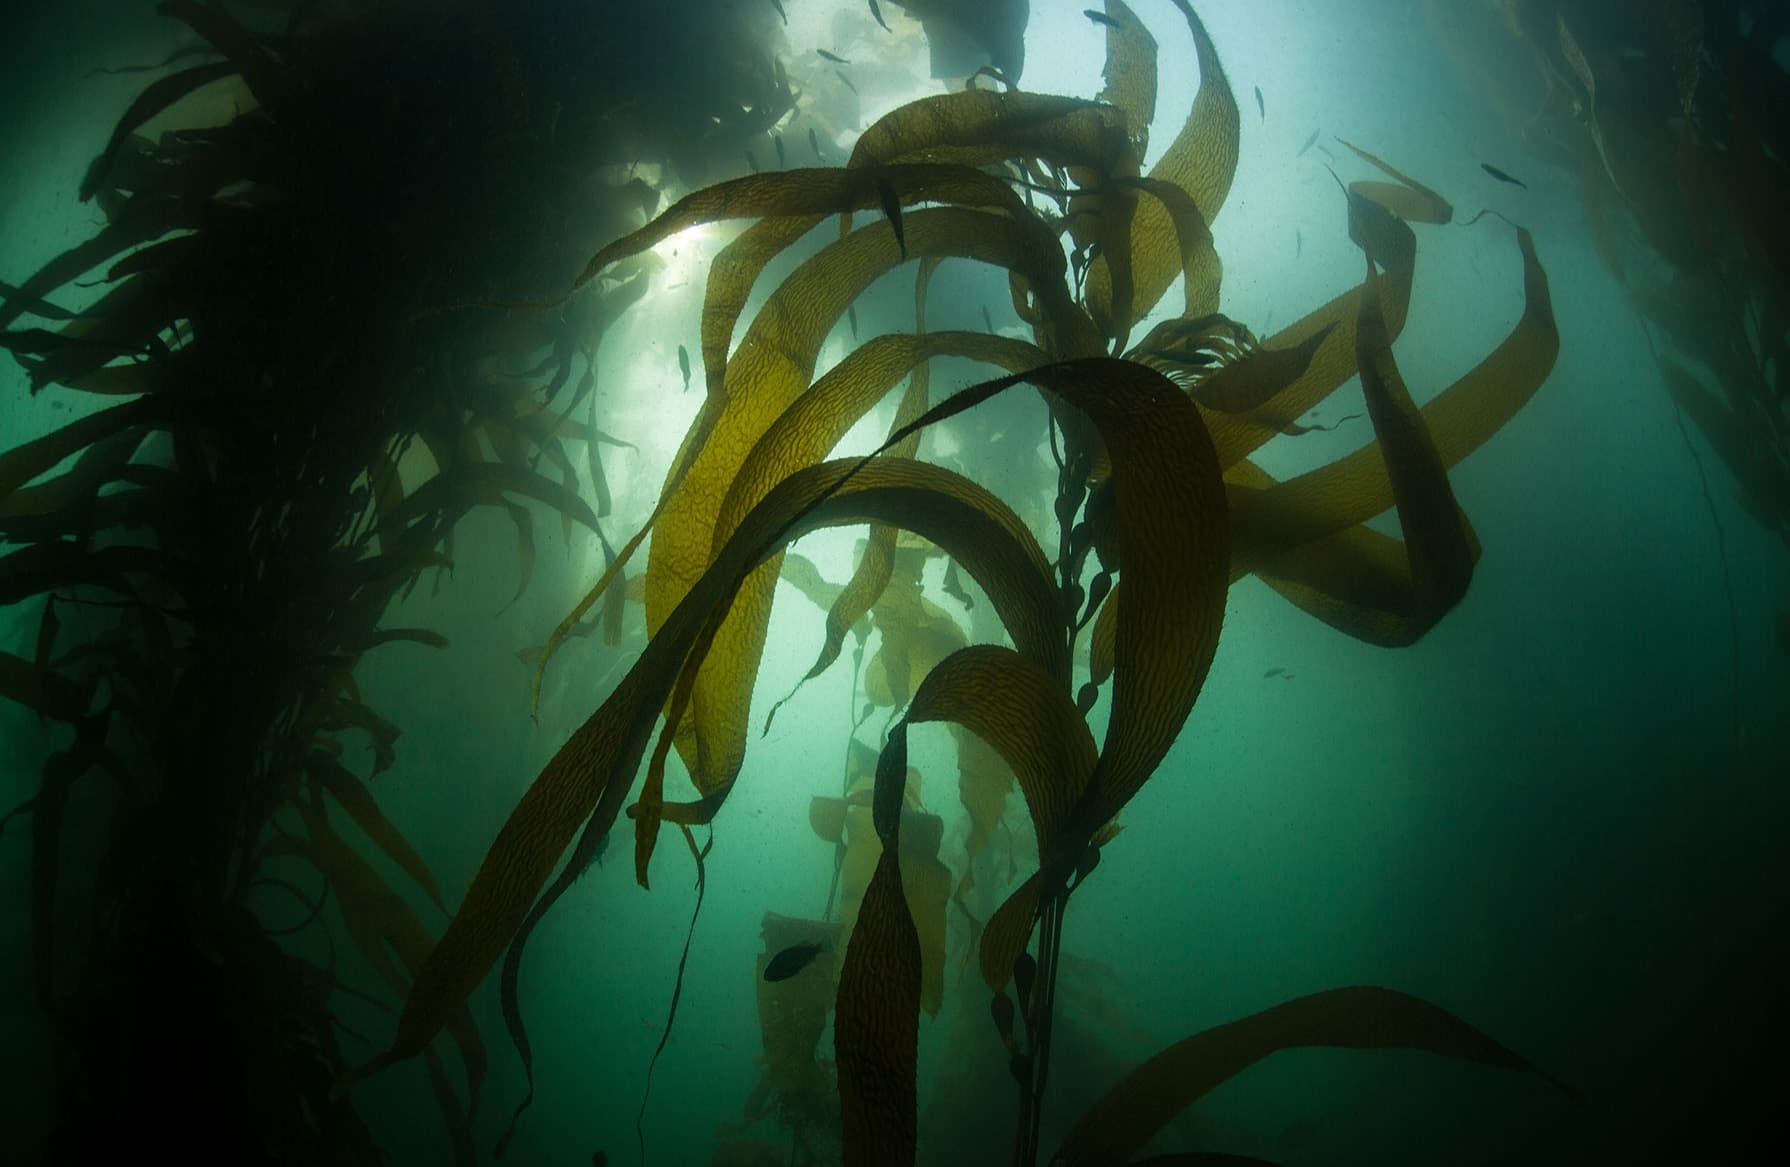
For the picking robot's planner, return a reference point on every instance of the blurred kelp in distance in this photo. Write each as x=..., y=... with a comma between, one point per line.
x=1667, y=116
x=1158, y=507
x=283, y=447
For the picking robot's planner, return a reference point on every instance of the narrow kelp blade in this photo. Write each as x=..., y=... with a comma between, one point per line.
x=877, y=1013
x=1130, y=1114
x=1334, y=497
x=588, y=779
x=773, y=367
x=1202, y=161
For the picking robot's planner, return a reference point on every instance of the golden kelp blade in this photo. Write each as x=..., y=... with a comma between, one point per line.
x=1130, y=72
x=1011, y=703
x=1124, y=1121
x=773, y=366
x=1460, y=419
x=1202, y=161
x=805, y=194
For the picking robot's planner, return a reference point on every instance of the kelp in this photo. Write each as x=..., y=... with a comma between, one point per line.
x=1156, y=497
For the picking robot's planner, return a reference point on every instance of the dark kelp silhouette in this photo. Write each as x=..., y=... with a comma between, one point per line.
x=289, y=446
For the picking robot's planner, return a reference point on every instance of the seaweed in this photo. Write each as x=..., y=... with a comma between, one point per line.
x=233, y=660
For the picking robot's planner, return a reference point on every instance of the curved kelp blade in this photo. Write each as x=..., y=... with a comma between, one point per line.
x=1202, y=161
x=589, y=778
x=160, y=94
x=772, y=368
x=1302, y=533
x=1363, y=1017
x=877, y=1015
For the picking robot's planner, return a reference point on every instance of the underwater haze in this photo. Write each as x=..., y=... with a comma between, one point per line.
x=755, y=582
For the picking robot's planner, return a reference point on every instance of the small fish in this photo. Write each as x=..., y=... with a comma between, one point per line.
x=845, y=79
x=1501, y=176
x=986, y=321
x=683, y=364
x=833, y=57
x=892, y=210
x=790, y=961
x=752, y=162
x=1298, y=242
x=1309, y=143
x=777, y=140
x=778, y=5
x=851, y=314
x=1100, y=18
x=878, y=13
x=1260, y=105
x=813, y=142
x=1273, y=672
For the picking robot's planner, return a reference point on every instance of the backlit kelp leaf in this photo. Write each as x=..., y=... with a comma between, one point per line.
x=588, y=779
x=876, y=1015
x=1130, y=73
x=980, y=127
x=772, y=367
x=160, y=94
x=806, y=194
x=353, y=796
x=1201, y=160
x=590, y=776
x=1353, y=489
x=1130, y=1114
x=475, y=483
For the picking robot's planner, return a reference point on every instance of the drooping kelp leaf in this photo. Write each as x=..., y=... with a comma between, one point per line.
x=1334, y=497
x=1202, y=160
x=1362, y=1017
x=140, y=222
x=773, y=365
x=590, y=776
x=876, y=1016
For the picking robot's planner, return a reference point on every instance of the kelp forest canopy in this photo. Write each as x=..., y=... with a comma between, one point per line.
x=956, y=424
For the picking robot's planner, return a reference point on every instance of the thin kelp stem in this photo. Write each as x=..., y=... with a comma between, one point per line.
x=1038, y=1030
x=677, y=988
